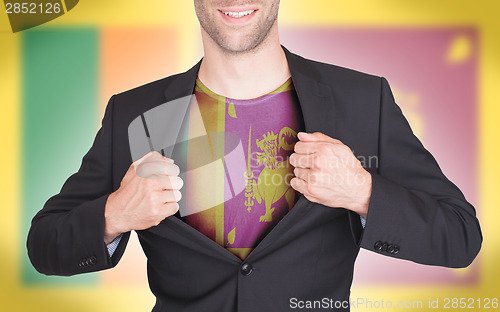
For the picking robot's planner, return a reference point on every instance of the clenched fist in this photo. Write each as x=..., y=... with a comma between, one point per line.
x=148, y=193
x=327, y=172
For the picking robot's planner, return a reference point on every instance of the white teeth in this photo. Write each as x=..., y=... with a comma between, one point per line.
x=239, y=14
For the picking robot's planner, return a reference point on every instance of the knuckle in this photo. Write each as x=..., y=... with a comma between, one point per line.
x=346, y=150
x=168, y=196
x=166, y=183
x=160, y=198
x=299, y=161
x=158, y=184
x=169, y=184
x=307, y=161
x=323, y=148
x=337, y=141
x=313, y=177
x=316, y=161
x=148, y=183
x=331, y=150
x=325, y=161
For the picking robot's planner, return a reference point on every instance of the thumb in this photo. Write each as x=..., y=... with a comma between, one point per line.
x=316, y=136
x=152, y=156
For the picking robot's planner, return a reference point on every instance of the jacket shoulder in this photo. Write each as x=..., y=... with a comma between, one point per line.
x=148, y=90
x=134, y=102
x=335, y=74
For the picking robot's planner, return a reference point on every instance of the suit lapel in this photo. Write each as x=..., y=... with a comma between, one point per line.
x=318, y=108
x=182, y=84
x=316, y=99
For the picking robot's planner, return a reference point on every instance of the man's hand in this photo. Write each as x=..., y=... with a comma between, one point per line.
x=148, y=193
x=327, y=172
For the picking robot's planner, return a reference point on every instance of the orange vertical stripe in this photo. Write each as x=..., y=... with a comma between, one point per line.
x=131, y=57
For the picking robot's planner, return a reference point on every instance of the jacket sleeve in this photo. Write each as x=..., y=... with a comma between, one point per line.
x=66, y=237
x=415, y=212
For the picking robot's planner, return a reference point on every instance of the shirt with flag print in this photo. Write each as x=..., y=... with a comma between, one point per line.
x=266, y=130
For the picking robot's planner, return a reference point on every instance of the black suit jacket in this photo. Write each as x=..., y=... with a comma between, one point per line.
x=415, y=212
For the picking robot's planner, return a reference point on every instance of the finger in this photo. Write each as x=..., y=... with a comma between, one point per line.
x=312, y=177
x=170, y=196
x=298, y=184
x=301, y=160
x=302, y=186
x=132, y=170
x=163, y=183
x=152, y=156
x=305, y=147
x=171, y=183
x=301, y=173
x=143, y=158
x=157, y=157
x=171, y=208
x=314, y=147
x=316, y=136
x=157, y=169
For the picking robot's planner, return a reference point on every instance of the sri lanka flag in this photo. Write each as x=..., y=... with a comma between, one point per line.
x=57, y=78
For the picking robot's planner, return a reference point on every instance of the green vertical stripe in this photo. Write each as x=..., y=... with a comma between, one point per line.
x=60, y=92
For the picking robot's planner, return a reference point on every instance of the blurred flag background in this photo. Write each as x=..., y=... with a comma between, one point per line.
x=440, y=57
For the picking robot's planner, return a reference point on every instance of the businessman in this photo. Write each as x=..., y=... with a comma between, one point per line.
x=306, y=122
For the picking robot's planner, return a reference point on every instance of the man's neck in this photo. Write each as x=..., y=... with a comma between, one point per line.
x=244, y=76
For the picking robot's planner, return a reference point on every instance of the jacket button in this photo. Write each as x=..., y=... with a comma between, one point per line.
x=390, y=249
x=378, y=245
x=83, y=264
x=93, y=260
x=384, y=246
x=246, y=269
x=396, y=249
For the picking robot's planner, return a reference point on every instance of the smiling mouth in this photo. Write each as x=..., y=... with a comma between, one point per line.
x=239, y=14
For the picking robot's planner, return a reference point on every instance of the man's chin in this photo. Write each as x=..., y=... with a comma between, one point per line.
x=239, y=46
